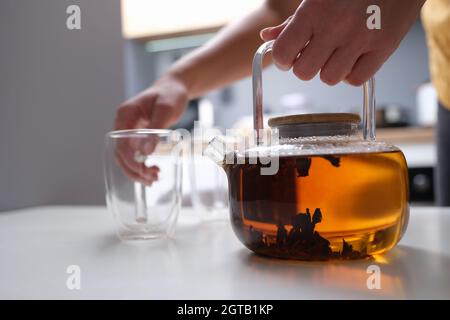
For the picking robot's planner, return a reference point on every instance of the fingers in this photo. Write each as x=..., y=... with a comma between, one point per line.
x=149, y=145
x=129, y=116
x=135, y=170
x=157, y=107
x=130, y=173
x=134, y=113
x=312, y=59
x=366, y=66
x=317, y=39
x=291, y=41
x=271, y=33
x=338, y=66
x=140, y=145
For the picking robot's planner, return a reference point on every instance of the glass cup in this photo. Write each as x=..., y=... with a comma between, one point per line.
x=209, y=188
x=143, y=182
x=208, y=181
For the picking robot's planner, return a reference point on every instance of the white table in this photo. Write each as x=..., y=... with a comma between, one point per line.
x=205, y=261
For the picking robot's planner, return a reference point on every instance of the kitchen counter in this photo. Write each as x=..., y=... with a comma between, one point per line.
x=204, y=261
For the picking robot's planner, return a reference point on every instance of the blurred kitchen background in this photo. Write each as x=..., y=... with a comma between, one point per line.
x=60, y=89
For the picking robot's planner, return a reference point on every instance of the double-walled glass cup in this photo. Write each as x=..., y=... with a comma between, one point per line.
x=143, y=182
x=209, y=185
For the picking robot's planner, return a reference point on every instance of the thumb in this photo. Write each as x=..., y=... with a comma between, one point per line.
x=272, y=33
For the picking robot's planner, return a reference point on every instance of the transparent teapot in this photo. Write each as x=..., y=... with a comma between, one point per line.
x=316, y=189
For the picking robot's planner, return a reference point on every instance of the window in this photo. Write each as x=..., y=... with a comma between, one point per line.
x=156, y=19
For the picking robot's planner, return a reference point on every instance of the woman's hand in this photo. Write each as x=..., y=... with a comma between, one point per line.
x=331, y=36
x=160, y=106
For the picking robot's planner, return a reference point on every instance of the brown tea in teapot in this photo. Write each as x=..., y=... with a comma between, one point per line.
x=319, y=207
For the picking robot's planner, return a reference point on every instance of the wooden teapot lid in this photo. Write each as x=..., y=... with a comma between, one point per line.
x=314, y=118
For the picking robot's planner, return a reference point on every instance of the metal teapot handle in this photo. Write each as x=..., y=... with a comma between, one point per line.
x=368, y=113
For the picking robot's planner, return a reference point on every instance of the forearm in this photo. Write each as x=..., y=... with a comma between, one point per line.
x=228, y=56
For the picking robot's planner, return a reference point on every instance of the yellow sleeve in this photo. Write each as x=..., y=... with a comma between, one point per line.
x=436, y=21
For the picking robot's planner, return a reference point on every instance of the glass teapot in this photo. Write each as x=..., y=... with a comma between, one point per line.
x=315, y=190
